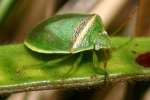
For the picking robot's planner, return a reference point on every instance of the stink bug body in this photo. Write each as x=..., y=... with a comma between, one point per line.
x=69, y=34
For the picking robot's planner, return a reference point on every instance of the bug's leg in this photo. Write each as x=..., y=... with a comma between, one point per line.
x=49, y=63
x=96, y=65
x=95, y=59
x=106, y=55
x=75, y=65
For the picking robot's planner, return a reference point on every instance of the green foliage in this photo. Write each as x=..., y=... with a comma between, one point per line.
x=22, y=69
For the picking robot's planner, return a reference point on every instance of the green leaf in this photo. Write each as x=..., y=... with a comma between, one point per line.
x=22, y=69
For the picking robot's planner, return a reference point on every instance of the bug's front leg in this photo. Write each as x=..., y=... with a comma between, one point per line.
x=97, y=66
x=106, y=56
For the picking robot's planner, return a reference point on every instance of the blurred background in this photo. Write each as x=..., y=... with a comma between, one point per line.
x=120, y=17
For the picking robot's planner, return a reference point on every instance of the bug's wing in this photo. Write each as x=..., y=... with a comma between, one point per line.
x=56, y=34
x=70, y=33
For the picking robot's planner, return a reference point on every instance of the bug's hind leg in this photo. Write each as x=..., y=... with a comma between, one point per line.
x=75, y=66
x=106, y=55
x=48, y=63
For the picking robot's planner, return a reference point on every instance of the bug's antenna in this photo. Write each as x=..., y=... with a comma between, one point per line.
x=124, y=23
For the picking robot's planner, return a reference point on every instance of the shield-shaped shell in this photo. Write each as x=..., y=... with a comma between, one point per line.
x=68, y=33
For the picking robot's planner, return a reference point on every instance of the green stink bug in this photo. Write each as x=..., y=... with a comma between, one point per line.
x=69, y=34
